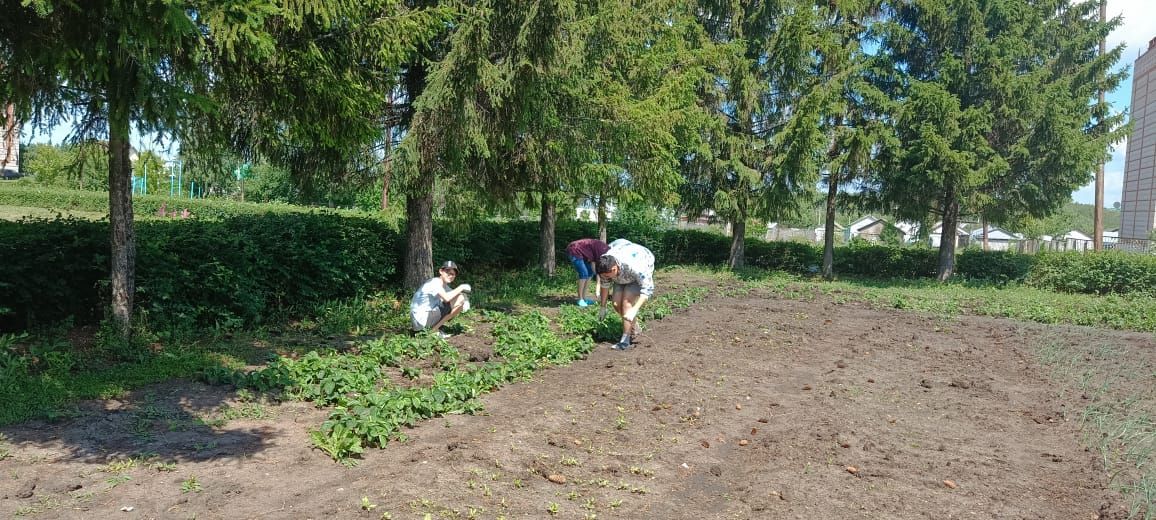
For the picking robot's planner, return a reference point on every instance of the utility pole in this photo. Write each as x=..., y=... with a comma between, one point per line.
x=1098, y=211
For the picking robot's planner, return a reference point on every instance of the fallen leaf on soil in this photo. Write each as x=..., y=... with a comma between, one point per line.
x=852, y=470
x=764, y=420
x=705, y=444
x=556, y=478
x=744, y=442
x=950, y=484
x=806, y=387
x=870, y=380
x=754, y=431
x=738, y=407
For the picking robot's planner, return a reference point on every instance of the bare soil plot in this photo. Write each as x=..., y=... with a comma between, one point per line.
x=744, y=406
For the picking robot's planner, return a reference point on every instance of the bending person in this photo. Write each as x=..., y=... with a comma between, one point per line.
x=583, y=254
x=628, y=269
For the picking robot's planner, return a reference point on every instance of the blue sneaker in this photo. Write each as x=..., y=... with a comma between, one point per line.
x=584, y=303
x=590, y=302
x=622, y=345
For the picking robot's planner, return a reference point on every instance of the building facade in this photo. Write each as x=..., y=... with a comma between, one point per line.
x=1138, y=204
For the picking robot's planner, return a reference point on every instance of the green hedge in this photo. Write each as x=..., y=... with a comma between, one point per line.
x=231, y=271
x=994, y=266
x=1095, y=273
x=240, y=269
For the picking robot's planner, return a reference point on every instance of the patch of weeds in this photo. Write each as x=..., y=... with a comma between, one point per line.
x=552, y=508
x=44, y=503
x=116, y=480
x=635, y=470
x=252, y=411
x=117, y=467
x=411, y=372
x=366, y=505
x=204, y=446
x=569, y=461
x=620, y=422
x=164, y=466
x=191, y=485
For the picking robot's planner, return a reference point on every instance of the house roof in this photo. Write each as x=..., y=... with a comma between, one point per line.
x=994, y=233
x=1076, y=235
x=863, y=222
x=938, y=228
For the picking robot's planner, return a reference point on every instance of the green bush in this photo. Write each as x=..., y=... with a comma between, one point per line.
x=1095, y=273
x=195, y=272
x=994, y=266
x=886, y=261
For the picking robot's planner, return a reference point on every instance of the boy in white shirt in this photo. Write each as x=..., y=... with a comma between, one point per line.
x=629, y=269
x=434, y=303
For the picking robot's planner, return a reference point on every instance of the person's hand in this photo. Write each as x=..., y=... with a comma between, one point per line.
x=602, y=313
x=466, y=287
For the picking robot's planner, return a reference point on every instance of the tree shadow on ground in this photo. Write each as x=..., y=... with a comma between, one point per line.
x=173, y=421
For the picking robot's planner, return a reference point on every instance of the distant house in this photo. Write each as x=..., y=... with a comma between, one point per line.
x=935, y=237
x=588, y=211
x=1111, y=237
x=703, y=219
x=1076, y=235
x=997, y=239
x=778, y=232
x=870, y=228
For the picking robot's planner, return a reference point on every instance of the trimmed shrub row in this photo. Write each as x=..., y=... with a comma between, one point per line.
x=240, y=270
x=228, y=272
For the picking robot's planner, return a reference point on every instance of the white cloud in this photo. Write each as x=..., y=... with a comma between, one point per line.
x=1139, y=26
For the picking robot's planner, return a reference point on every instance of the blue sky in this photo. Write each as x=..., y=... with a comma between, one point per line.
x=1138, y=28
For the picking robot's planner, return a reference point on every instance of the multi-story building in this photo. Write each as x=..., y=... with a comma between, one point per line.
x=1138, y=204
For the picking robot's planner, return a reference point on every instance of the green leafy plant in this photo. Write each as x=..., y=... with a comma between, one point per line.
x=191, y=485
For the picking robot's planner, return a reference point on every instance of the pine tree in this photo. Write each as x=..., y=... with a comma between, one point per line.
x=996, y=113
x=116, y=63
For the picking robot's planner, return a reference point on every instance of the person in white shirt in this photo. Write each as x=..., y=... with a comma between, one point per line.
x=629, y=269
x=434, y=303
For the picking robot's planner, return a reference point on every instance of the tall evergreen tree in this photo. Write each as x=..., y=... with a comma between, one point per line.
x=761, y=158
x=116, y=63
x=996, y=108
x=534, y=99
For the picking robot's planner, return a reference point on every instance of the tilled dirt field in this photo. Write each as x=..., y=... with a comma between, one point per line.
x=749, y=406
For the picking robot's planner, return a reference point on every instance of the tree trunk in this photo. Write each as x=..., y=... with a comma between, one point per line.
x=387, y=160
x=546, y=235
x=983, y=228
x=123, y=236
x=738, y=242
x=946, y=266
x=388, y=167
x=419, y=233
x=829, y=228
x=602, y=218
x=419, y=196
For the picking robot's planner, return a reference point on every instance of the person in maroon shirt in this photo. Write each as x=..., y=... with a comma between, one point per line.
x=583, y=253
